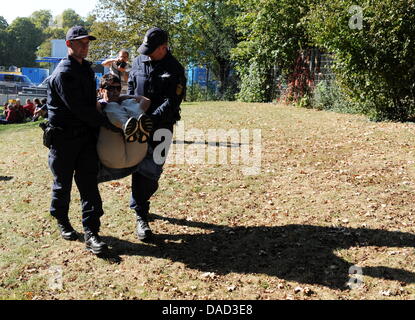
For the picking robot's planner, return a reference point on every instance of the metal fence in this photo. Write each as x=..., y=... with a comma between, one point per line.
x=7, y=94
x=313, y=65
x=324, y=70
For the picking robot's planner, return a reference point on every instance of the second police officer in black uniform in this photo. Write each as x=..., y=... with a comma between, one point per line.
x=155, y=74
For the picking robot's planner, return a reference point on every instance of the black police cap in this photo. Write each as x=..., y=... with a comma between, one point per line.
x=78, y=32
x=152, y=40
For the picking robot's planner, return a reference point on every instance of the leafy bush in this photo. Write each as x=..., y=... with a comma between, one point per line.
x=327, y=95
x=255, y=84
x=374, y=61
x=196, y=92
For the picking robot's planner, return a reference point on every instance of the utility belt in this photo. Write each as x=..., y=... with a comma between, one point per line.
x=49, y=131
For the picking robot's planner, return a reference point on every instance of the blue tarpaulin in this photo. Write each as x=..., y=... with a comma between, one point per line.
x=37, y=75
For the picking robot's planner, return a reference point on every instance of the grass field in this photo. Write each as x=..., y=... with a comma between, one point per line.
x=335, y=192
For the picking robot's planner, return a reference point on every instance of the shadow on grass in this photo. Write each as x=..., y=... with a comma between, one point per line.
x=301, y=253
x=226, y=144
x=5, y=178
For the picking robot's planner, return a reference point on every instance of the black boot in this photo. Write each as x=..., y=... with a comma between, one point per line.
x=94, y=243
x=144, y=232
x=66, y=230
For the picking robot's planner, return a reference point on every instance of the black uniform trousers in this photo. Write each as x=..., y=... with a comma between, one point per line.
x=73, y=155
x=143, y=187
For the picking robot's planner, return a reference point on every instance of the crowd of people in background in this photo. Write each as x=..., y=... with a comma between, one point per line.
x=15, y=112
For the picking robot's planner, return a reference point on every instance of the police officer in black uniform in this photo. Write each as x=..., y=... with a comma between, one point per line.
x=74, y=122
x=155, y=74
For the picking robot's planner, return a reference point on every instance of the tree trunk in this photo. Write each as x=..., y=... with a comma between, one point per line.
x=224, y=70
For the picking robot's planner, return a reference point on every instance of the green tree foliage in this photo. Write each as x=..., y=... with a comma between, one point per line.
x=123, y=23
x=58, y=30
x=4, y=42
x=201, y=31
x=109, y=40
x=68, y=19
x=89, y=21
x=41, y=18
x=3, y=23
x=374, y=61
x=261, y=39
x=26, y=37
x=212, y=34
x=272, y=35
x=55, y=33
x=45, y=49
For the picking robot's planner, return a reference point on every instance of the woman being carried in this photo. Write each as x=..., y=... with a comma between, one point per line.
x=127, y=113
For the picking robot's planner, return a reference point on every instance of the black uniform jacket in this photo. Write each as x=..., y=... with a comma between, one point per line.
x=72, y=96
x=164, y=83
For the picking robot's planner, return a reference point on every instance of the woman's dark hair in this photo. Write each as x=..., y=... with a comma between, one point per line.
x=108, y=79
